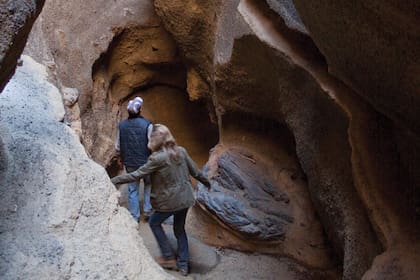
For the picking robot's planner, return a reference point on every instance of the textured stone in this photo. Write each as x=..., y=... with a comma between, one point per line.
x=278, y=79
x=283, y=90
x=196, y=87
x=193, y=30
x=348, y=165
x=16, y=19
x=286, y=9
x=74, y=48
x=70, y=96
x=373, y=46
x=246, y=199
x=59, y=213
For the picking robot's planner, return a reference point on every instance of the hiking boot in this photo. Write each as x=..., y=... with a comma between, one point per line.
x=166, y=263
x=146, y=215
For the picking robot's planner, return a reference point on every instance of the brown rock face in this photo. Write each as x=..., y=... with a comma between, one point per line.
x=193, y=31
x=319, y=127
x=259, y=193
x=16, y=19
x=143, y=61
x=373, y=46
x=138, y=60
x=355, y=159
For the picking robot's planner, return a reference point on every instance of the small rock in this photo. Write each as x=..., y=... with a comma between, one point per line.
x=70, y=96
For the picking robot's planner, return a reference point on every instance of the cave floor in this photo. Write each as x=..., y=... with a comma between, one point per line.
x=207, y=262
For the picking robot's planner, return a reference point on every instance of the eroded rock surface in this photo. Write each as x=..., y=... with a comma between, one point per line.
x=16, y=19
x=373, y=47
x=245, y=198
x=264, y=69
x=313, y=112
x=59, y=212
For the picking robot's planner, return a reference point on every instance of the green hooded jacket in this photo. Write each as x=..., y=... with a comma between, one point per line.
x=171, y=184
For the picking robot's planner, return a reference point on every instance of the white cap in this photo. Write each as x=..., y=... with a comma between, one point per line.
x=134, y=105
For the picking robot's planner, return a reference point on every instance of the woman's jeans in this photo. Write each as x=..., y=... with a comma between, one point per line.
x=155, y=223
x=133, y=196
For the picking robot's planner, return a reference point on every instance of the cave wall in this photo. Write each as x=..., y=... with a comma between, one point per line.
x=336, y=81
x=373, y=47
x=102, y=66
x=351, y=148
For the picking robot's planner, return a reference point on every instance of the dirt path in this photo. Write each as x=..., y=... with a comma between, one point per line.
x=207, y=262
x=215, y=263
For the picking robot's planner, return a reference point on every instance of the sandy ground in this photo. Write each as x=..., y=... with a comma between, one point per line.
x=230, y=264
x=208, y=262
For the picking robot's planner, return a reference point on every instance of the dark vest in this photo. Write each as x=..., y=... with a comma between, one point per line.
x=133, y=141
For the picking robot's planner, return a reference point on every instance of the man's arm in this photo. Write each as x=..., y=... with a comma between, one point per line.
x=152, y=164
x=149, y=131
x=117, y=150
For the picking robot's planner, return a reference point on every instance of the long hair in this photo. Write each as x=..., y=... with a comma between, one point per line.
x=162, y=139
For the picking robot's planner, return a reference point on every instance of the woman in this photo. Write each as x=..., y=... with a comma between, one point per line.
x=169, y=167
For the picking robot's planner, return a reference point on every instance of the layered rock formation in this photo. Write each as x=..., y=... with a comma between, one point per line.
x=309, y=110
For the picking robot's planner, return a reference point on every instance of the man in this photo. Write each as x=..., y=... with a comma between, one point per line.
x=133, y=137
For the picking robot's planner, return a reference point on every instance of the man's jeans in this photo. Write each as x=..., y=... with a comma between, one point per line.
x=155, y=223
x=133, y=196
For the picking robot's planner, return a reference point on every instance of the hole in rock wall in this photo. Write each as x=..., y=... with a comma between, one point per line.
x=250, y=130
x=143, y=62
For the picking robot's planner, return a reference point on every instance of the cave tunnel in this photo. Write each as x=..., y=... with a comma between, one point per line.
x=144, y=62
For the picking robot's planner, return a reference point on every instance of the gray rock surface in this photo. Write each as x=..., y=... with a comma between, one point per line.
x=286, y=9
x=247, y=199
x=59, y=213
x=16, y=19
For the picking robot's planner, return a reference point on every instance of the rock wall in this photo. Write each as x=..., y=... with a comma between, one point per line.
x=16, y=19
x=125, y=53
x=373, y=47
x=308, y=109
x=60, y=217
x=351, y=150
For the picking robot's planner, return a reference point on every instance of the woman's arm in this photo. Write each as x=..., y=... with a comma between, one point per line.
x=152, y=164
x=194, y=171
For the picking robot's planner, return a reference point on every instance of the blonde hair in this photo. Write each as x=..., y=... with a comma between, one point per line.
x=162, y=139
